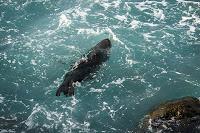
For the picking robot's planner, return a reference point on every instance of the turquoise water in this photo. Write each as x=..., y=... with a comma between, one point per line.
x=155, y=57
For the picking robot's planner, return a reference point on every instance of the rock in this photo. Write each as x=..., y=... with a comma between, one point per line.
x=182, y=115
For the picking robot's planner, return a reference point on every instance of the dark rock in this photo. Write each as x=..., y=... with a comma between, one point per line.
x=182, y=115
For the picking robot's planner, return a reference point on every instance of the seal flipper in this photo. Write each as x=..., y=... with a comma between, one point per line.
x=60, y=89
x=68, y=89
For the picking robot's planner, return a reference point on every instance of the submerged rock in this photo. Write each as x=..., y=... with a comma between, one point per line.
x=182, y=115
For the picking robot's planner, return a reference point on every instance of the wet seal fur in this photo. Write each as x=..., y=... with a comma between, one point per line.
x=82, y=69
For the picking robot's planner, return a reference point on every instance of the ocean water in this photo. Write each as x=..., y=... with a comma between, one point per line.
x=155, y=57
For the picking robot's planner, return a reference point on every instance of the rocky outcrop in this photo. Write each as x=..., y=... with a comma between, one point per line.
x=182, y=115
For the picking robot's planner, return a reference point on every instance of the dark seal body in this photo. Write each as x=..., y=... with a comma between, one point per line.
x=96, y=56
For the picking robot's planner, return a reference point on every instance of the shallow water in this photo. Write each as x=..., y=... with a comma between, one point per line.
x=155, y=57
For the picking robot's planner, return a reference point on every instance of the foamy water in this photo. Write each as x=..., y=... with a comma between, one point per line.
x=154, y=57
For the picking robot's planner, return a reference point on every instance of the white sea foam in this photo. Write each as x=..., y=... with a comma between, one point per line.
x=126, y=6
x=99, y=31
x=1, y=98
x=106, y=5
x=64, y=21
x=113, y=36
x=96, y=90
x=116, y=3
x=150, y=24
x=121, y=17
x=29, y=122
x=118, y=81
x=134, y=24
x=194, y=83
x=152, y=2
x=158, y=13
x=33, y=62
x=130, y=61
x=82, y=13
x=184, y=1
x=150, y=125
x=192, y=28
x=71, y=47
x=147, y=36
x=7, y=131
x=41, y=111
x=128, y=57
x=141, y=6
x=164, y=3
x=90, y=31
x=110, y=109
x=74, y=101
x=148, y=5
x=185, y=20
x=103, y=15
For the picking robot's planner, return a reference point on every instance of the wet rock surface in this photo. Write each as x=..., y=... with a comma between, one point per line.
x=182, y=115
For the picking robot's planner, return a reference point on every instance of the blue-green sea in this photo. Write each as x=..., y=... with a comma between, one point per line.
x=155, y=56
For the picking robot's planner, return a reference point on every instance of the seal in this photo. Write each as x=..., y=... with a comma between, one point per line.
x=84, y=67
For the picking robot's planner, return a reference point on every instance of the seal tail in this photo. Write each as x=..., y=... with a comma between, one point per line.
x=67, y=90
